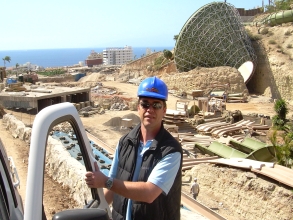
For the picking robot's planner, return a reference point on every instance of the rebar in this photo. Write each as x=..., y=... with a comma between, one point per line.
x=213, y=36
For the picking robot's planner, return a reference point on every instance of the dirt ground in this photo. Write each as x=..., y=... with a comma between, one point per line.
x=55, y=196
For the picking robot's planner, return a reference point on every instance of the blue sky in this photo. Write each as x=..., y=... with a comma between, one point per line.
x=40, y=24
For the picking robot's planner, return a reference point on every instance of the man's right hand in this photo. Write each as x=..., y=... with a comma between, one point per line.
x=95, y=179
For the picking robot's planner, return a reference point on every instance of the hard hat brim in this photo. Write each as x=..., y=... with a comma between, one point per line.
x=152, y=95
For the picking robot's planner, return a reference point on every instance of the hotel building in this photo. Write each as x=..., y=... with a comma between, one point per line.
x=117, y=55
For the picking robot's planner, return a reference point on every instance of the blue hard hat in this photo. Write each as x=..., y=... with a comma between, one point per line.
x=153, y=87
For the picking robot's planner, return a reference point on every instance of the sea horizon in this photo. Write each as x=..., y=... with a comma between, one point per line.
x=63, y=56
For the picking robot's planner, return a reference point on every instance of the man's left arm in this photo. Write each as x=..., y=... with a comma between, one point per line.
x=164, y=173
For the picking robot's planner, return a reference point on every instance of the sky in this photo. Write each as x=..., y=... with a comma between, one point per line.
x=52, y=24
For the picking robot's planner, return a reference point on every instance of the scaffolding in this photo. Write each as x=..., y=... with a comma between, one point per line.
x=213, y=36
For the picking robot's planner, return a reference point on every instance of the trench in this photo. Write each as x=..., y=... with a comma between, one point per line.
x=70, y=143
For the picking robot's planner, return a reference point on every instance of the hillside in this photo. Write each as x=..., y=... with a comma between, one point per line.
x=272, y=77
x=274, y=48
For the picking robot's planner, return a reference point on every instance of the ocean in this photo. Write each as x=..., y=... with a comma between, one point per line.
x=61, y=57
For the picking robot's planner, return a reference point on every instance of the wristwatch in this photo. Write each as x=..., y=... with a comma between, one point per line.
x=109, y=183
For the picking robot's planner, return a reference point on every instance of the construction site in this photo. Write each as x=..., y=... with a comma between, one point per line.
x=219, y=112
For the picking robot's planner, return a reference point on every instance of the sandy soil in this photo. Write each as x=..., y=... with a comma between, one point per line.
x=54, y=197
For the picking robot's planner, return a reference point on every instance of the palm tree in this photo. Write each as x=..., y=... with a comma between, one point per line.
x=16, y=66
x=6, y=58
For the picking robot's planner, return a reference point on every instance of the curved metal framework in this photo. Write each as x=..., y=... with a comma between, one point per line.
x=213, y=36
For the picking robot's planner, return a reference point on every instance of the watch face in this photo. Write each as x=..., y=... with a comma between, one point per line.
x=109, y=183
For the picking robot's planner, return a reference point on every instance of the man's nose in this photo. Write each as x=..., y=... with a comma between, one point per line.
x=151, y=108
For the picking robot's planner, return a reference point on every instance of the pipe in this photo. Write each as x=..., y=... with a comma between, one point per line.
x=278, y=18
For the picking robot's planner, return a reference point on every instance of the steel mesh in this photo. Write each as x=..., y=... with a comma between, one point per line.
x=213, y=36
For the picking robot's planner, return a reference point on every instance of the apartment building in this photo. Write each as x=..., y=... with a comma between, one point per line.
x=117, y=55
x=94, y=59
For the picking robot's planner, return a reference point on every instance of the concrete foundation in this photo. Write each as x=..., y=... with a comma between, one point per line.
x=42, y=97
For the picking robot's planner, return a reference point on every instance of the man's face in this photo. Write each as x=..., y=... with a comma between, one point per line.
x=151, y=112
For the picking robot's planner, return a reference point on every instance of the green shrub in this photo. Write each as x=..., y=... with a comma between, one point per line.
x=281, y=49
x=289, y=46
x=252, y=36
x=272, y=42
x=54, y=72
x=158, y=60
x=281, y=109
x=264, y=31
x=255, y=37
x=284, y=147
x=284, y=150
x=288, y=33
x=270, y=33
x=278, y=122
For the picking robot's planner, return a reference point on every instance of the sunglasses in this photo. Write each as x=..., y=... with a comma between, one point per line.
x=155, y=105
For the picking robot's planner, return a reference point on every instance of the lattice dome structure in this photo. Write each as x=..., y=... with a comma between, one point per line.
x=214, y=36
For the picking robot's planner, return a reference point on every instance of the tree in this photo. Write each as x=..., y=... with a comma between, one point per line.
x=283, y=5
x=16, y=66
x=278, y=5
x=6, y=58
x=175, y=37
x=167, y=54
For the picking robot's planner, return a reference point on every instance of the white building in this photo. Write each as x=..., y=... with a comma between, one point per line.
x=31, y=67
x=117, y=55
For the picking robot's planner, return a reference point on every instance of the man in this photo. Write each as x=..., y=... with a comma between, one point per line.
x=194, y=189
x=145, y=177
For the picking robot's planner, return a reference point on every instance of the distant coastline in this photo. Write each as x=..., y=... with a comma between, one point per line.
x=61, y=57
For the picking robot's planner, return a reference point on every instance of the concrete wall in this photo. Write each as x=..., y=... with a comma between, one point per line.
x=16, y=102
x=67, y=78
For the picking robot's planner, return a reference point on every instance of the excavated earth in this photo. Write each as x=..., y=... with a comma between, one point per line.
x=234, y=193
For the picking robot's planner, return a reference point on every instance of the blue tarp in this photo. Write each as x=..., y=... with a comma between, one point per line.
x=70, y=143
x=11, y=81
